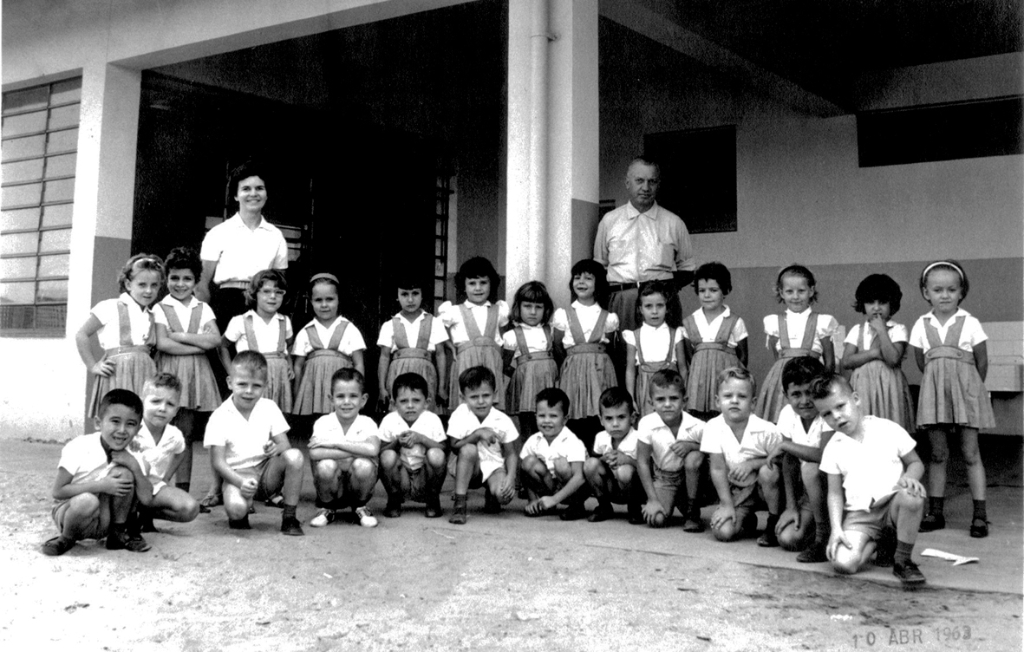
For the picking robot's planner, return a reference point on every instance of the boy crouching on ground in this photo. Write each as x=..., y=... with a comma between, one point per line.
x=99, y=481
x=804, y=435
x=481, y=439
x=874, y=483
x=670, y=439
x=344, y=449
x=739, y=444
x=552, y=461
x=248, y=441
x=413, y=460
x=162, y=446
x=611, y=474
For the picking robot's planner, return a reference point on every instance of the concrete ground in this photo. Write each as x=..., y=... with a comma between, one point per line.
x=499, y=582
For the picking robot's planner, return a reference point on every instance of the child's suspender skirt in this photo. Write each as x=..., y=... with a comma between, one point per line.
x=279, y=388
x=645, y=370
x=587, y=370
x=534, y=372
x=883, y=390
x=771, y=398
x=314, y=396
x=709, y=359
x=952, y=391
x=480, y=351
x=133, y=364
x=198, y=384
x=413, y=359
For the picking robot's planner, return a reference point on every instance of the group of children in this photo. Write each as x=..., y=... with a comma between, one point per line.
x=813, y=447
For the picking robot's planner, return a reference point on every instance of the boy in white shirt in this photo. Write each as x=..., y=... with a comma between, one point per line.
x=162, y=446
x=481, y=438
x=670, y=439
x=552, y=461
x=611, y=473
x=249, y=448
x=344, y=450
x=738, y=443
x=413, y=458
x=804, y=436
x=874, y=482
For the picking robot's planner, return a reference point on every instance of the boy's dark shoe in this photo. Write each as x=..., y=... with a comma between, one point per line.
x=458, y=516
x=277, y=500
x=603, y=512
x=291, y=527
x=693, y=522
x=815, y=554
x=635, y=512
x=491, y=504
x=120, y=539
x=932, y=522
x=908, y=573
x=979, y=528
x=768, y=539
x=573, y=512
x=145, y=522
x=393, y=509
x=240, y=524
x=433, y=508
x=57, y=546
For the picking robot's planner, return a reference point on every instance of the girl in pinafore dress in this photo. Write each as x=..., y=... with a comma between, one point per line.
x=796, y=333
x=186, y=329
x=328, y=343
x=265, y=330
x=124, y=328
x=413, y=342
x=874, y=351
x=714, y=339
x=949, y=345
x=530, y=347
x=473, y=326
x=656, y=345
x=583, y=332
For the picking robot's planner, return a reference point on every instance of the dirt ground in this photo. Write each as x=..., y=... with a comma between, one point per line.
x=499, y=583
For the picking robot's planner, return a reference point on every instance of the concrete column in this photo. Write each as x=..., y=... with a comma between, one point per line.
x=547, y=250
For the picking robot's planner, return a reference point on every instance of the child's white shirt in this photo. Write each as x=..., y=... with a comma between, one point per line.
x=451, y=315
x=603, y=443
x=652, y=431
x=158, y=455
x=791, y=427
x=438, y=335
x=328, y=431
x=897, y=333
x=654, y=342
x=565, y=446
x=464, y=423
x=587, y=316
x=267, y=334
x=243, y=439
x=796, y=323
x=536, y=340
x=351, y=339
x=109, y=333
x=870, y=468
x=427, y=424
x=84, y=458
x=759, y=438
x=184, y=312
x=971, y=335
x=708, y=331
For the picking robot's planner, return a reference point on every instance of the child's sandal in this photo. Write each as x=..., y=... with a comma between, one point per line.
x=979, y=528
x=932, y=522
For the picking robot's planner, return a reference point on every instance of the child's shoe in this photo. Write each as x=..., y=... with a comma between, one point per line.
x=365, y=516
x=239, y=524
x=491, y=504
x=693, y=522
x=323, y=517
x=932, y=522
x=393, y=509
x=57, y=546
x=291, y=527
x=603, y=512
x=146, y=522
x=574, y=511
x=908, y=573
x=459, y=516
x=814, y=554
x=635, y=511
x=768, y=539
x=277, y=500
x=979, y=528
x=433, y=507
x=120, y=539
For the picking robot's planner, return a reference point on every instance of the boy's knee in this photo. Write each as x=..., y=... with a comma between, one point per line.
x=725, y=532
x=121, y=473
x=84, y=506
x=846, y=561
x=236, y=507
x=189, y=510
x=906, y=502
x=326, y=469
x=293, y=458
x=592, y=467
x=562, y=469
x=469, y=453
x=693, y=461
x=532, y=466
x=388, y=459
x=436, y=458
x=624, y=474
x=363, y=469
x=791, y=539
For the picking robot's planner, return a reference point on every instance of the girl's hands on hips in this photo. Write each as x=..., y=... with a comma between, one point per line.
x=103, y=367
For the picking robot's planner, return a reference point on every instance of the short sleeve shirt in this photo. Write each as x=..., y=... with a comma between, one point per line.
x=565, y=446
x=871, y=467
x=897, y=333
x=243, y=439
x=351, y=339
x=328, y=431
x=654, y=343
x=241, y=252
x=451, y=315
x=535, y=336
x=971, y=335
x=652, y=431
x=587, y=316
x=267, y=334
x=637, y=246
x=427, y=424
x=708, y=331
x=386, y=339
x=109, y=334
x=796, y=322
x=603, y=443
x=158, y=455
x=759, y=438
x=464, y=423
x=183, y=312
x=791, y=427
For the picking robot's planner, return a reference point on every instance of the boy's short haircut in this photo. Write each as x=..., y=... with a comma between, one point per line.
x=119, y=396
x=348, y=375
x=666, y=378
x=554, y=396
x=613, y=397
x=410, y=381
x=253, y=361
x=822, y=385
x=801, y=371
x=736, y=373
x=475, y=377
x=162, y=379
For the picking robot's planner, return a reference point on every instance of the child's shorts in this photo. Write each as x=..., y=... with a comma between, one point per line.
x=666, y=487
x=484, y=469
x=872, y=521
x=95, y=530
x=746, y=501
x=258, y=473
